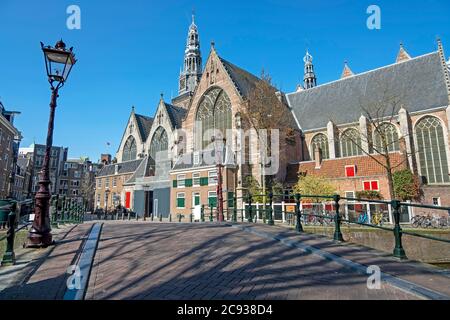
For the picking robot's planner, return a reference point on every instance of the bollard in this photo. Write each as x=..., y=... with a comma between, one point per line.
x=9, y=258
x=191, y=217
x=211, y=215
x=152, y=217
x=179, y=218
x=399, y=252
x=298, y=213
x=270, y=221
x=234, y=218
x=129, y=215
x=250, y=218
x=202, y=213
x=170, y=217
x=337, y=220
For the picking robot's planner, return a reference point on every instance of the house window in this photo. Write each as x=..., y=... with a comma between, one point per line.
x=437, y=201
x=106, y=182
x=212, y=199
x=181, y=180
x=114, y=182
x=350, y=171
x=196, y=179
x=371, y=185
x=99, y=183
x=212, y=177
x=181, y=201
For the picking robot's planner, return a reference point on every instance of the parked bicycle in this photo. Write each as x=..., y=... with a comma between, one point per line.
x=428, y=221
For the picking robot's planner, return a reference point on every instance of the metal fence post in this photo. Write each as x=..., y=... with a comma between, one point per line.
x=54, y=211
x=202, y=213
x=9, y=258
x=63, y=210
x=337, y=219
x=399, y=252
x=298, y=212
x=270, y=221
x=250, y=217
x=234, y=218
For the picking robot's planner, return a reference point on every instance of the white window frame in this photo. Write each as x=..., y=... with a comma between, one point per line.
x=438, y=201
x=196, y=175
x=181, y=177
x=211, y=177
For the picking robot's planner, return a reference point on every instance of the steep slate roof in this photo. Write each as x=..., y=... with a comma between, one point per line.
x=243, y=80
x=144, y=125
x=124, y=167
x=419, y=83
x=176, y=114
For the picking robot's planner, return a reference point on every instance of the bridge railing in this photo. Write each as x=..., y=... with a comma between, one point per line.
x=391, y=215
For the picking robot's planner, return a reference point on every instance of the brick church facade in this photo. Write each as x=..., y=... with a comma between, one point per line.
x=174, y=155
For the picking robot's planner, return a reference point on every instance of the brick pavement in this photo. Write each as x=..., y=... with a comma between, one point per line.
x=46, y=276
x=200, y=261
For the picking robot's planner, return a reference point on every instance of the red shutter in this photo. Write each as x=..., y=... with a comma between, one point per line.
x=366, y=185
x=374, y=185
x=350, y=171
x=127, y=200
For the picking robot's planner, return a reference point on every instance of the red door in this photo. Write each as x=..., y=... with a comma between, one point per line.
x=127, y=200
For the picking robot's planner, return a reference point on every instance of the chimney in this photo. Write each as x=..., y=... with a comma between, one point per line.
x=318, y=157
x=116, y=169
x=105, y=159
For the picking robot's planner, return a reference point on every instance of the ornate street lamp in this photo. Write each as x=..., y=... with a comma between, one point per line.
x=58, y=63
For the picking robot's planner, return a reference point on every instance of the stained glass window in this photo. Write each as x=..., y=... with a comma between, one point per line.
x=350, y=143
x=389, y=132
x=159, y=144
x=129, y=150
x=431, y=147
x=320, y=141
x=213, y=116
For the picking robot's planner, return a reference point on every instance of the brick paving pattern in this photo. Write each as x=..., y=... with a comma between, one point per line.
x=200, y=261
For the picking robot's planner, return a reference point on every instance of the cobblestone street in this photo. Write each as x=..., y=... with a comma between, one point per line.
x=209, y=261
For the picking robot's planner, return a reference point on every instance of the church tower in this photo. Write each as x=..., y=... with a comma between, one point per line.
x=192, y=67
x=309, y=80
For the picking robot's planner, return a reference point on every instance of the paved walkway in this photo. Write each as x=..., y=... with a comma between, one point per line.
x=209, y=261
x=40, y=274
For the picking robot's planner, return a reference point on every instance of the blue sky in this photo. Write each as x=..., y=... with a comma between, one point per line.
x=131, y=51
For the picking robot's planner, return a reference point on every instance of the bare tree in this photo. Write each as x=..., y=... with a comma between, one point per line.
x=379, y=141
x=265, y=111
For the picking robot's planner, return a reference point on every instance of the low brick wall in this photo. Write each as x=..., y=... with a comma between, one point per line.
x=416, y=248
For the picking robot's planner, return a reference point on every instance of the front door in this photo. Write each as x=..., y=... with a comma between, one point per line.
x=196, y=211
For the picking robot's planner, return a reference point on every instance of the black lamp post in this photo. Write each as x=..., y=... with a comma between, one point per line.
x=58, y=63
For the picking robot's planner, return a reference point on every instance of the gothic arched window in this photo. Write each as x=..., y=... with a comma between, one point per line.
x=350, y=143
x=159, y=144
x=129, y=150
x=431, y=148
x=320, y=141
x=388, y=132
x=213, y=117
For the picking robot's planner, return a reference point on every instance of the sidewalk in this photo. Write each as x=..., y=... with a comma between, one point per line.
x=418, y=274
x=41, y=273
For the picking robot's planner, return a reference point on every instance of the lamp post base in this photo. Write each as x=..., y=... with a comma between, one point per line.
x=38, y=239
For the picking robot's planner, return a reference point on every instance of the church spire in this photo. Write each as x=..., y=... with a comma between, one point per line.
x=309, y=79
x=192, y=67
